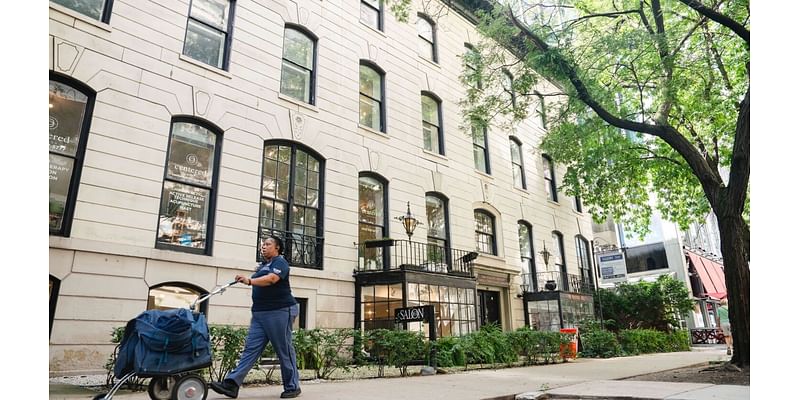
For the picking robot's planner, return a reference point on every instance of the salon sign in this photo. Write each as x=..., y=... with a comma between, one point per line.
x=411, y=314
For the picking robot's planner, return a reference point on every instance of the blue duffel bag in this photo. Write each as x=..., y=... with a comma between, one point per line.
x=164, y=343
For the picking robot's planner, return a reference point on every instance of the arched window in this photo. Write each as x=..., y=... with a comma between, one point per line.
x=558, y=260
x=584, y=263
x=432, y=134
x=292, y=201
x=188, y=197
x=373, y=220
x=299, y=58
x=372, y=99
x=172, y=295
x=208, y=32
x=426, y=32
x=527, y=266
x=70, y=105
x=549, y=178
x=485, y=241
x=517, y=168
x=438, y=227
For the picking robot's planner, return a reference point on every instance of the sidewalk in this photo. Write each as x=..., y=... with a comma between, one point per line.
x=581, y=377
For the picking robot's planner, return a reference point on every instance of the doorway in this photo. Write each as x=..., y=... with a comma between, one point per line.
x=489, y=308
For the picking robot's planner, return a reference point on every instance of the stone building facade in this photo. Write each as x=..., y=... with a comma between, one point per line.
x=182, y=130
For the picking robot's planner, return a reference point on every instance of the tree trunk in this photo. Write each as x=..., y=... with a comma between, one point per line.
x=737, y=281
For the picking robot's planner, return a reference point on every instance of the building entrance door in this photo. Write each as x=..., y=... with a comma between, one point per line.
x=489, y=307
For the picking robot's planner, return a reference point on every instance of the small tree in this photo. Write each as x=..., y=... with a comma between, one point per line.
x=655, y=305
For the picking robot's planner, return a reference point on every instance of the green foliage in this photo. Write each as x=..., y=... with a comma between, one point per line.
x=397, y=348
x=449, y=352
x=641, y=341
x=324, y=350
x=599, y=343
x=656, y=305
x=489, y=345
x=677, y=341
x=227, y=343
x=687, y=80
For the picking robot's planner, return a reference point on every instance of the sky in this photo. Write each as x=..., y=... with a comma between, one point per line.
x=774, y=140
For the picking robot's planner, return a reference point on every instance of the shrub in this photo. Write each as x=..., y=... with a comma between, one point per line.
x=489, y=345
x=449, y=352
x=641, y=341
x=324, y=350
x=227, y=343
x=648, y=305
x=677, y=341
x=398, y=348
x=599, y=343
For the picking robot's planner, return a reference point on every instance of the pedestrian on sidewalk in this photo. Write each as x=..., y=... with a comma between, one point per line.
x=725, y=323
x=273, y=313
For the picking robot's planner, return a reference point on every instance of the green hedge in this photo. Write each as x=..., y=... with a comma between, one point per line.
x=597, y=342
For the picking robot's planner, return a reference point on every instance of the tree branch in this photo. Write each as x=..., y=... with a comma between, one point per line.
x=608, y=15
x=665, y=132
x=656, y=156
x=740, y=159
x=721, y=19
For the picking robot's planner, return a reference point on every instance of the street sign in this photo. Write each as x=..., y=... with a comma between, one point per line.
x=612, y=267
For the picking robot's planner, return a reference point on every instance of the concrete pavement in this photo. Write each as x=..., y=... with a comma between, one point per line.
x=581, y=377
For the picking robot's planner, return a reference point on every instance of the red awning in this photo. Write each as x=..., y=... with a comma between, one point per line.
x=711, y=274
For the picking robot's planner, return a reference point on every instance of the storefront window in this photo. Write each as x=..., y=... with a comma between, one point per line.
x=454, y=308
x=189, y=184
x=70, y=112
x=378, y=304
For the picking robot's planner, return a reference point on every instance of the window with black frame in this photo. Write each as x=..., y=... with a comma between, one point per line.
x=208, y=32
x=70, y=108
x=378, y=303
x=372, y=13
x=480, y=149
x=524, y=232
x=549, y=178
x=371, y=109
x=96, y=9
x=558, y=260
x=507, y=81
x=517, y=168
x=297, y=71
x=372, y=219
x=432, y=137
x=291, y=201
x=485, y=232
x=438, y=227
x=584, y=263
x=453, y=307
x=188, y=195
x=472, y=63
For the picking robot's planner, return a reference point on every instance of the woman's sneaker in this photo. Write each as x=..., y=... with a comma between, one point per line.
x=227, y=387
x=290, y=394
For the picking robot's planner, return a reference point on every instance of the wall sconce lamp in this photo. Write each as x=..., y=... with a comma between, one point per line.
x=409, y=222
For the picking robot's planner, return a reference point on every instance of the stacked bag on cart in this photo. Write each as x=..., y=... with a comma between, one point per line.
x=164, y=343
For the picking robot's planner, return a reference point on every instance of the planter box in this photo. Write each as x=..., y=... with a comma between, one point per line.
x=378, y=243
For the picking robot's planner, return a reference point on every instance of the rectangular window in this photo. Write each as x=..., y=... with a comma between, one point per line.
x=370, y=111
x=97, y=9
x=208, y=32
x=189, y=183
x=70, y=112
x=297, y=71
x=431, y=129
x=426, y=37
x=549, y=178
x=480, y=149
x=371, y=13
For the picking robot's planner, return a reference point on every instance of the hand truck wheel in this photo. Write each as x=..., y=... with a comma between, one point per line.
x=160, y=387
x=190, y=387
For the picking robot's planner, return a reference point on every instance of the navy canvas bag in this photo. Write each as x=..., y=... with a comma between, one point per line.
x=164, y=343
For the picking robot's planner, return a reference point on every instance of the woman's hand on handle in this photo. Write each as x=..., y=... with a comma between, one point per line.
x=243, y=279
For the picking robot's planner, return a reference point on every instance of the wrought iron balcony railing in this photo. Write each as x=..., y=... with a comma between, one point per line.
x=555, y=280
x=300, y=250
x=388, y=254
